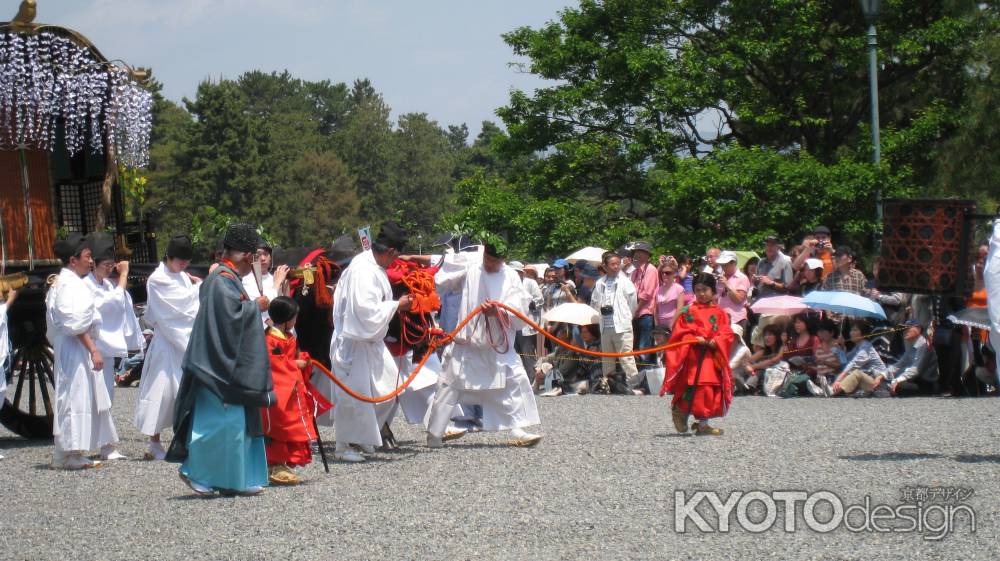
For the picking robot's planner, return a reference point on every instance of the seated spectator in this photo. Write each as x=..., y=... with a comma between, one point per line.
x=802, y=343
x=739, y=363
x=774, y=272
x=865, y=372
x=750, y=271
x=669, y=296
x=767, y=364
x=916, y=372
x=810, y=278
x=800, y=354
x=569, y=371
x=732, y=288
x=828, y=356
x=846, y=277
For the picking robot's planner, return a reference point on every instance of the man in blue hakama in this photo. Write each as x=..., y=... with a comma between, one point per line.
x=218, y=431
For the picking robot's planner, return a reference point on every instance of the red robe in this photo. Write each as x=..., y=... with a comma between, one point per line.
x=714, y=390
x=288, y=424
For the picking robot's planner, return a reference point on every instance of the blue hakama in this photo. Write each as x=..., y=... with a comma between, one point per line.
x=221, y=454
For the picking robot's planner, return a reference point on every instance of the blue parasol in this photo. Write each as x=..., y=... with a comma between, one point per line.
x=846, y=303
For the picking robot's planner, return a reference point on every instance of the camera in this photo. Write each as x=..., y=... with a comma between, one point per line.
x=607, y=310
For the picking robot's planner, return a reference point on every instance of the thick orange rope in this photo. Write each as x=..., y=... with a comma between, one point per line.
x=445, y=338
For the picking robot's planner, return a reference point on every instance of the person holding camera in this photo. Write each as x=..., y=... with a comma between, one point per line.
x=614, y=297
x=817, y=246
x=561, y=290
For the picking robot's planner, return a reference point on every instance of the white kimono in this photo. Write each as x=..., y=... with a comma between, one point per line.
x=474, y=372
x=991, y=277
x=267, y=282
x=362, y=309
x=416, y=399
x=119, y=329
x=4, y=352
x=83, y=408
x=171, y=306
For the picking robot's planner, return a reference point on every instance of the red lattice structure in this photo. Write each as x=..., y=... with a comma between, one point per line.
x=926, y=246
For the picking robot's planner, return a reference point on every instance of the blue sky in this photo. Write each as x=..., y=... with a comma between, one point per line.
x=441, y=57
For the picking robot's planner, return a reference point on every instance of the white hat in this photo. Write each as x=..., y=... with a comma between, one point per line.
x=737, y=329
x=726, y=257
x=814, y=264
x=516, y=265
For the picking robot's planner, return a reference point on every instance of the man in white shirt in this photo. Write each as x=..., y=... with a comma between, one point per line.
x=615, y=298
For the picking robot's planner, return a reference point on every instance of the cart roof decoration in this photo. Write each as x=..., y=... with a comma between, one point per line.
x=51, y=74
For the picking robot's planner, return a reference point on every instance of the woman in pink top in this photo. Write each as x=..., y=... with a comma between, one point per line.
x=669, y=296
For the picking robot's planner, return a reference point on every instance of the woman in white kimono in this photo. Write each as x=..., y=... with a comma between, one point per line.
x=82, y=418
x=5, y=354
x=119, y=328
x=171, y=306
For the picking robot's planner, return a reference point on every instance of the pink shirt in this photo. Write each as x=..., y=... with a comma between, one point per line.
x=667, y=302
x=646, y=281
x=737, y=311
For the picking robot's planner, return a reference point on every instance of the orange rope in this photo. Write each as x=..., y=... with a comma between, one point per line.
x=445, y=338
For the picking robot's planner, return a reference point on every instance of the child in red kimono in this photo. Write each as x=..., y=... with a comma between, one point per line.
x=697, y=374
x=289, y=424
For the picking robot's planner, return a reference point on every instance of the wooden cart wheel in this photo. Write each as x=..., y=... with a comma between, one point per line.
x=30, y=399
x=31, y=396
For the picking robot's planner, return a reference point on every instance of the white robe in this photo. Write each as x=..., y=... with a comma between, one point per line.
x=267, y=282
x=474, y=372
x=991, y=276
x=4, y=352
x=362, y=309
x=171, y=306
x=416, y=399
x=118, y=327
x=83, y=408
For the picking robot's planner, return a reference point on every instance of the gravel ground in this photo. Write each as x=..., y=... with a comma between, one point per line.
x=600, y=486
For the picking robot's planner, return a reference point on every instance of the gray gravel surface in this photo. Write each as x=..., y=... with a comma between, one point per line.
x=600, y=486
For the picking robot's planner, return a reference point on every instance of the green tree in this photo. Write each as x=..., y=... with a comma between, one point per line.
x=317, y=202
x=424, y=165
x=667, y=115
x=365, y=143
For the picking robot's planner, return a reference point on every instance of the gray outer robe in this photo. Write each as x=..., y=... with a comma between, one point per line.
x=226, y=354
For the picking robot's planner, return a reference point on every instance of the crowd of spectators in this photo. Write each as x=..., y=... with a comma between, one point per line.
x=915, y=351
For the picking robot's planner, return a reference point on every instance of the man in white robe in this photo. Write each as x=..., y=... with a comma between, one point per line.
x=118, y=328
x=171, y=307
x=271, y=283
x=481, y=367
x=5, y=354
x=991, y=278
x=82, y=418
x=362, y=309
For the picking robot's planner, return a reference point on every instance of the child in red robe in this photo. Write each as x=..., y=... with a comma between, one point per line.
x=289, y=424
x=697, y=374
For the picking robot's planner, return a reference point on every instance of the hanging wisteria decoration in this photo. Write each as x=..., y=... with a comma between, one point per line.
x=47, y=78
